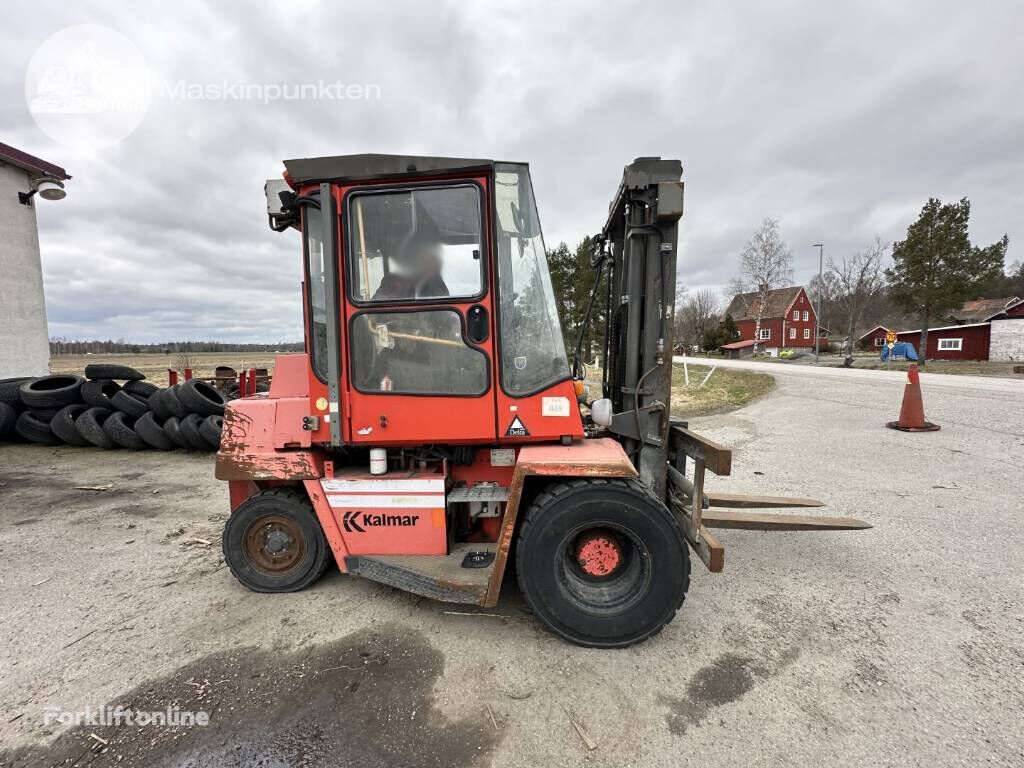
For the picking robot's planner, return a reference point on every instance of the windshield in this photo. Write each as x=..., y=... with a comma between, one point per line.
x=532, y=352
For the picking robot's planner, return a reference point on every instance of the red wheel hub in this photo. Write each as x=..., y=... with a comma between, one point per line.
x=598, y=553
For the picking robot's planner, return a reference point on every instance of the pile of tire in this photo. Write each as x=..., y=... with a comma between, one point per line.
x=112, y=406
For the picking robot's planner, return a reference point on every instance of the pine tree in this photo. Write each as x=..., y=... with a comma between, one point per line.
x=935, y=269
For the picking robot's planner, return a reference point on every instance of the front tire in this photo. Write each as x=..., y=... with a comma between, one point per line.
x=273, y=542
x=602, y=563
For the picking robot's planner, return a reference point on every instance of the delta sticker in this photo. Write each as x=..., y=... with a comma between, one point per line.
x=517, y=429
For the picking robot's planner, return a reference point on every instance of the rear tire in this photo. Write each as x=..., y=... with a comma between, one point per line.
x=129, y=404
x=172, y=428
x=8, y=418
x=90, y=426
x=152, y=433
x=30, y=427
x=199, y=397
x=112, y=371
x=63, y=424
x=602, y=563
x=97, y=392
x=190, y=431
x=52, y=391
x=273, y=542
x=211, y=429
x=172, y=402
x=120, y=427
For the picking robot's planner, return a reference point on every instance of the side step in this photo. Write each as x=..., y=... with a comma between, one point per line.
x=439, y=577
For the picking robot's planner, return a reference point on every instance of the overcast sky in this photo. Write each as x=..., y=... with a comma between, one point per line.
x=839, y=122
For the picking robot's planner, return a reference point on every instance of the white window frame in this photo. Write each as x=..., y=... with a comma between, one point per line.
x=879, y=341
x=806, y=316
x=807, y=333
x=766, y=334
x=792, y=333
x=796, y=315
x=954, y=345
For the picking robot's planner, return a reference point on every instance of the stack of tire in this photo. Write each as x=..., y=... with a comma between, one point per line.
x=111, y=407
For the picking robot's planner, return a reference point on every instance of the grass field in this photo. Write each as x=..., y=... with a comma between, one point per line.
x=155, y=365
x=726, y=389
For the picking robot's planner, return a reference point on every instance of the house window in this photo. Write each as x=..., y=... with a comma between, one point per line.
x=806, y=316
x=796, y=314
x=807, y=333
x=792, y=333
x=766, y=333
x=879, y=341
x=954, y=345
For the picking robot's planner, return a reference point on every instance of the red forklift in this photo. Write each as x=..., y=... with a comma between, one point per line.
x=434, y=434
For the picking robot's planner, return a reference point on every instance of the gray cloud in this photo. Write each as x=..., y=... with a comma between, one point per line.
x=839, y=122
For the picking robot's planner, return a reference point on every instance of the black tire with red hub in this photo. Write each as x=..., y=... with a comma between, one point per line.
x=273, y=542
x=602, y=563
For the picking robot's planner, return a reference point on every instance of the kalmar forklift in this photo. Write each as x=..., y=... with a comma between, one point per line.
x=434, y=435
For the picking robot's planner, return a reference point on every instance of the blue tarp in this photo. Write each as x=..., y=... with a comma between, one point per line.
x=901, y=349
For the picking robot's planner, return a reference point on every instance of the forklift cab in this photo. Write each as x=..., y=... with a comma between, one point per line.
x=429, y=310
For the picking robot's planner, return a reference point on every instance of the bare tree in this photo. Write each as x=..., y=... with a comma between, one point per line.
x=824, y=295
x=699, y=312
x=765, y=264
x=678, y=314
x=859, y=279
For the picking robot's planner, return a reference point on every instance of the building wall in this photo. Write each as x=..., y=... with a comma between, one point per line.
x=1007, y=340
x=869, y=342
x=24, y=344
x=973, y=347
x=780, y=328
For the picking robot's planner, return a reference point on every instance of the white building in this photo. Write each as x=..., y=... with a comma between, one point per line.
x=24, y=342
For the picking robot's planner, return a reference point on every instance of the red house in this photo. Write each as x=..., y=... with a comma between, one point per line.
x=873, y=339
x=952, y=342
x=787, y=322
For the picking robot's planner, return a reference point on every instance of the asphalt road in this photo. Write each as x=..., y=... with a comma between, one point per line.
x=900, y=645
x=866, y=375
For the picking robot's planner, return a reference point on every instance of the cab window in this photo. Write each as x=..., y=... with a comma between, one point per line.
x=415, y=353
x=312, y=229
x=415, y=245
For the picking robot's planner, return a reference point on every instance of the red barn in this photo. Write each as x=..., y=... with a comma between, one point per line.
x=787, y=322
x=873, y=339
x=952, y=342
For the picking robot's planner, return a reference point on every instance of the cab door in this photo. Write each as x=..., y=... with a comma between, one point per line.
x=418, y=313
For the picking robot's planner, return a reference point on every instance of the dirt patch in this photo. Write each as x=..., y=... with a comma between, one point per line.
x=363, y=700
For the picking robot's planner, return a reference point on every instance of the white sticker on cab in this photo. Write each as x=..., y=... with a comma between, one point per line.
x=554, y=406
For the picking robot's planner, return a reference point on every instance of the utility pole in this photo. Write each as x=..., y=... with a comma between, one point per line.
x=817, y=310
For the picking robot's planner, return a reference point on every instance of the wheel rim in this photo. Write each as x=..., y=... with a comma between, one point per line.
x=274, y=545
x=604, y=568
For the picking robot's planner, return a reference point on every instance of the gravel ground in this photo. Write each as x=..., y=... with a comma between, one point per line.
x=900, y=645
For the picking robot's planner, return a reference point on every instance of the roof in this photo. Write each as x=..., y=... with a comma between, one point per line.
x=1012, y=310
x=778, y=301
x=946, y=328
x=739, y=344
x=982, y=309
x=30, y=163
x=876, y=328
x=373, y=166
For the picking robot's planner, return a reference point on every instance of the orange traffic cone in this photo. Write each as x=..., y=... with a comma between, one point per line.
x=912, y=411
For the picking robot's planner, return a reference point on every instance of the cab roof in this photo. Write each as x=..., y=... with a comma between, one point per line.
x=373, y=166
